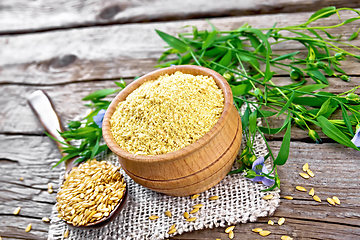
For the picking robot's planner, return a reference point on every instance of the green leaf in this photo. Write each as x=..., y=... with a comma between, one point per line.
x=265, y=113
x=121, y=84
x=330, y=36
x=225, y=60
x=173, y=41
x=209, y=40
x=287, y=105
x=309, y=88
x=338, y=69
x=256, y=44
x=241, y=89
x=353, y=36
x=324, y=108
x=284, y=148
x=323, y=13
x=308, y=101
x=318, y=75
x=67, y=157
x=334, y=133
x=253, y=122
x=275, y=130
x=346, y=119
x=245, y=118
x=350, y=20
x=100, y=94
x=285, y=56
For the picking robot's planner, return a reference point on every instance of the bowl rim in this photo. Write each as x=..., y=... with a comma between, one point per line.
x=191, y=69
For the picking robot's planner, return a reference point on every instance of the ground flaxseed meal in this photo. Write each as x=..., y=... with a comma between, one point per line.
x=167, y=114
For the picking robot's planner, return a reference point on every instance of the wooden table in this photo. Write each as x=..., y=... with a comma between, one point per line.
x=72, y=48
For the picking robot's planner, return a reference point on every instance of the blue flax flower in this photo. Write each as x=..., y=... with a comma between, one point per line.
x=259, y=167
x=98, y=119
x=356, y=138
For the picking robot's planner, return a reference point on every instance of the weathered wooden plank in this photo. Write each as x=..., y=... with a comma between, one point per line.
x=119, y=51
x=37, y=16
x=305, y=218
x=17, y=116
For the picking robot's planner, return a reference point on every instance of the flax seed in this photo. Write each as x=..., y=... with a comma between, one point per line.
x=305, y=167
x=153, y=217
x=194, y=210
x=168, y=213
x=312, y=192
x=311, y=174
x=316, y=198
x=268, y=197
x=228, y=229
x=28, y=228
x=264, y=233
x=45, y=219
x=281, y=221
x=186, y=215
x=214, y=198
x=17, y=211
x=299, y=188
x=288, y=197
x=192, y=219
x=270, y=222
x=336, y=200
x=331, y=201
x=304, y=175
x=256, y=230
x=198, y=206
x=231, y=234
x=195, y=196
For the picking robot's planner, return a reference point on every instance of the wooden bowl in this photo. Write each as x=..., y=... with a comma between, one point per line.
x=192, y=169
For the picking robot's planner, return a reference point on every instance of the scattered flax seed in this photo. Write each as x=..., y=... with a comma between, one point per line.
x=256, y=230
x=172, y=226
x=312, y=192
x=268, y=197
x=214, y=198
x=264, y=233
x=21, y=178
x=288, y=197
x=286, y=238
x=28, y=228
x=316, y=198
x=270, y=222
x=311, y=174
x=281, y=221
x=305, y=167
x=304, y=175
x=186, y=215
x=331, y=201
x=171, y=231
x=45, y=219
x=192, y=219
x=170, y=103
x=198, y=206
x=50, y=186
x=195, y=196
x=231, y=234
x=66, y=233
x=153, y=217
x=194, y=210
x=302, y=189
x=168, y=213
x=50, y=190
x=336, y=200
x=229, y=229
x=17, y=211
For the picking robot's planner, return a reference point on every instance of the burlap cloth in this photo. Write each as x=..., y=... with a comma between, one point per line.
x=240, y=201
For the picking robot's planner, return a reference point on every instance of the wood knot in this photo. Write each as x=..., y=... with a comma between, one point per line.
x=109, y=12
x=63, y=61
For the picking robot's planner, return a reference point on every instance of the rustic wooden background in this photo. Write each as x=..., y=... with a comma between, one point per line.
x=71, y=48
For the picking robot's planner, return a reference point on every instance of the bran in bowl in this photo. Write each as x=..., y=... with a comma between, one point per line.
x=167, y=114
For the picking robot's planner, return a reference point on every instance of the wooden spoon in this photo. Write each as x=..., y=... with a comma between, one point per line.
x=41, y=104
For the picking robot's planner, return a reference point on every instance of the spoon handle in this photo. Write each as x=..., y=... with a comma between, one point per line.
x=41, y=104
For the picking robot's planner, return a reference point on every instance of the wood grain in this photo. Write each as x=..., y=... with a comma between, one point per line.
x=38, y=16
x=305, y=218
x=120, y=51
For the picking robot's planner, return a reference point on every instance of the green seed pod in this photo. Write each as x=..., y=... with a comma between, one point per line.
x=320, y=65
x=228, y=76
x=314, y=136
x=74, y=124
x=345, y=78
x=250, y=173
x=352, y=97
x=300, y=108
x=258, y=93
x=86, y=154
x=295, y=75
x=299, y=121
x=340, y=56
